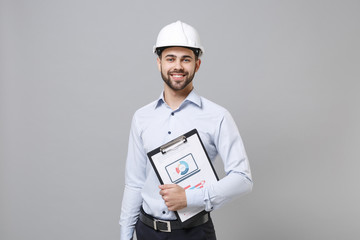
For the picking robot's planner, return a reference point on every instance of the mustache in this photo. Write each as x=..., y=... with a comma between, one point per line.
x=177, y=71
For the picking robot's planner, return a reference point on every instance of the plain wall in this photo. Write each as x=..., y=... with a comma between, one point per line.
x=73, y=72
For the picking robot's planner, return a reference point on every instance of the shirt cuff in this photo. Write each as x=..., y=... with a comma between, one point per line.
x=126, y=234
x=198, y=198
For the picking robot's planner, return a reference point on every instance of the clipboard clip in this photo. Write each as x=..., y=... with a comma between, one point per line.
x=173, y=144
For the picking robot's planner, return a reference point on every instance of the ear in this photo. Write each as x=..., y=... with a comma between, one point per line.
x=197, y=65
x=159, y=63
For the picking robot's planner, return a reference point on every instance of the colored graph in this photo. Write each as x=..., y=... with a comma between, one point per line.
x=182, y=168
x=197, y=186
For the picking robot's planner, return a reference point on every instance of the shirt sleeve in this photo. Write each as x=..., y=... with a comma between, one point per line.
x=237, y=181
x=134, y=181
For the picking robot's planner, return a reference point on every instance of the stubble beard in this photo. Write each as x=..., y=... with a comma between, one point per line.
x=176, y=87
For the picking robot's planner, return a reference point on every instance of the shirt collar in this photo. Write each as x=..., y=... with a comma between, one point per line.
x=193, y=97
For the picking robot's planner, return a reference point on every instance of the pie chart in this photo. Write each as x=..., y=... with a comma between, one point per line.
x=182, y=168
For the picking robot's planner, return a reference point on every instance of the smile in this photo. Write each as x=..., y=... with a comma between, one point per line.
x=177, y=76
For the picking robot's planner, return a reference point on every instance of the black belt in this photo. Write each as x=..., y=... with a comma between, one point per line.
x=167, y=226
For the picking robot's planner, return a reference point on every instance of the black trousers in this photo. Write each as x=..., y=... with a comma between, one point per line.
x=205, y=231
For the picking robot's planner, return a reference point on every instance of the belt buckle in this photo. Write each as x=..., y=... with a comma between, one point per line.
x=168, y=226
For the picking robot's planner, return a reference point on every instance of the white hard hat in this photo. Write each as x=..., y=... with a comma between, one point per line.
x=178, y=34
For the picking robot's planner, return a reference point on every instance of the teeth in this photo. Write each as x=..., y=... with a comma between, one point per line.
x=177, y=75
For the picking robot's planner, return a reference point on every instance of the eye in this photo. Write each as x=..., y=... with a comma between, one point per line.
x=170, y=59
x=187, y=60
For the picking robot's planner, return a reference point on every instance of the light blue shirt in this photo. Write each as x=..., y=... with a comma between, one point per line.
x=156, y=124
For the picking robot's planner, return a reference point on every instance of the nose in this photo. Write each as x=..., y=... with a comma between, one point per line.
x=178, y=65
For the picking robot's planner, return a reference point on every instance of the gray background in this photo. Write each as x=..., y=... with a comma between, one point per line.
x=74, y=71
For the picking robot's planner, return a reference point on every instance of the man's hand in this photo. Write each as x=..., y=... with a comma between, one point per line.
x=174, y=196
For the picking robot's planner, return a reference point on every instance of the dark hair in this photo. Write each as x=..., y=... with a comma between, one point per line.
x=196, y=51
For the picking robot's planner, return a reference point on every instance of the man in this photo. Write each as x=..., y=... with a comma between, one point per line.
x=178, y=110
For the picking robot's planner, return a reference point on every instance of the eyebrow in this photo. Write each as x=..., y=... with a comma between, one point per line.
x=184, y=56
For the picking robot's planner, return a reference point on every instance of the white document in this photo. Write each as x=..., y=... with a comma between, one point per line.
x=184, y=161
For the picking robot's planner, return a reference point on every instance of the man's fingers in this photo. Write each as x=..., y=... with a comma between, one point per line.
x=163, y=192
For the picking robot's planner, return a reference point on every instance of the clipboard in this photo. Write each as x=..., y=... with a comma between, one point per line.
x=184, y=161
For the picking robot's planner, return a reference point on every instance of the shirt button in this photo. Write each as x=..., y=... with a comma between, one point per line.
x=169, y=132
x=172, y=114
x=164, y=212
